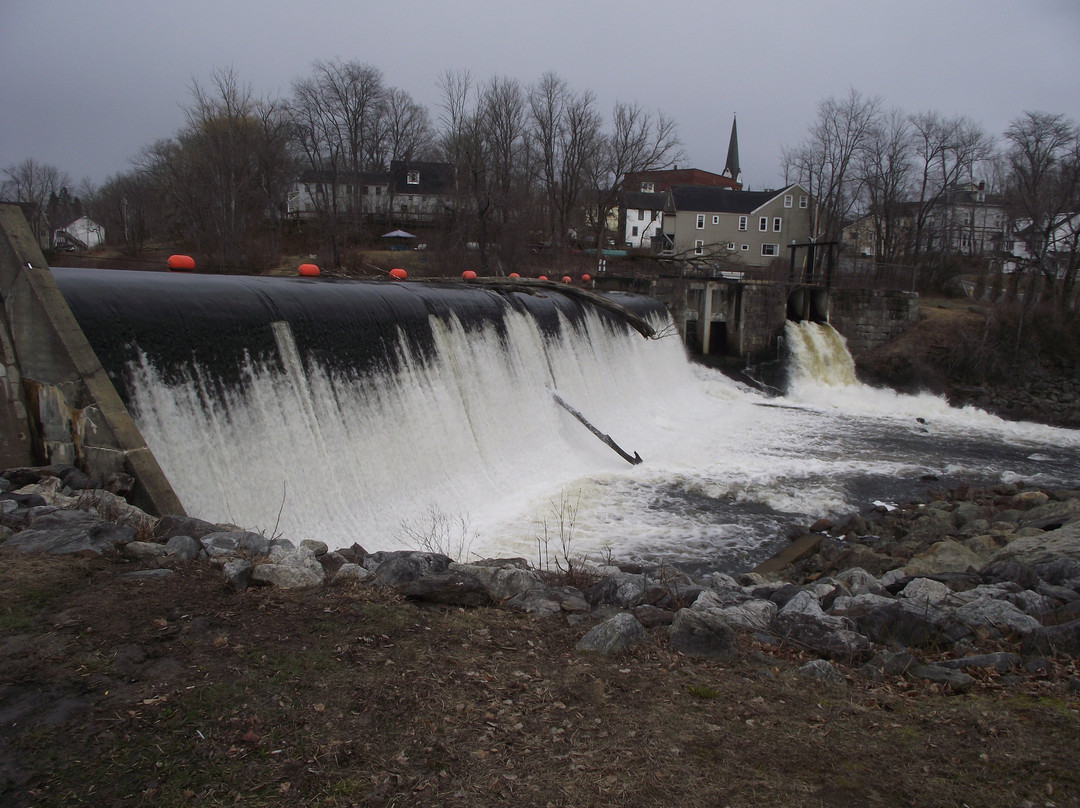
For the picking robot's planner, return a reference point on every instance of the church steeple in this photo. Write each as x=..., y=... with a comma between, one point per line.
x=731, y=168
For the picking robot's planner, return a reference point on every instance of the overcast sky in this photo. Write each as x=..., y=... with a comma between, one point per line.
x=86, y=85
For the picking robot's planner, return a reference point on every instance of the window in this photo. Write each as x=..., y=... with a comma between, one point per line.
x=647, y=187
x=716, y=220
x=731, y=245
x=763, y=223
x=745, y=248
x=802, y=201
x=787, y=200
x=776, y=224
x=742, y=222
x=641, y=215
x=770, y=249
x=701, y=221
x=633, y=231
x=699, y=247
x=412, y=178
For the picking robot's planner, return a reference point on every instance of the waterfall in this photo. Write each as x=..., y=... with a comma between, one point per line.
x=350, y=412
x=818, y=357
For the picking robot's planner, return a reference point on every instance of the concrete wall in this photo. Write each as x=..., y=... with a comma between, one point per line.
x=868, y=318
x=58, y=403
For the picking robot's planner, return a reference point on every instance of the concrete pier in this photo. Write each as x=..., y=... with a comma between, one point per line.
x=57, y=403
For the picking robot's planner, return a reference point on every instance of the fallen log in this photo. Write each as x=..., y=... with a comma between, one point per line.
x=633, y=459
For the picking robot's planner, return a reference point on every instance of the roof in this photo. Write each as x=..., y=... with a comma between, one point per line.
x=644, y=201
x=722, y=200
x=435, y=178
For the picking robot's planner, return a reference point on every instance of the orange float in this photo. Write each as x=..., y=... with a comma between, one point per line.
x=468, y=275
x=398, y=274
x=566, y=279
x=181, y=263
x=542, y=278
x=513, y=275
x=307, y=270
x=586, y=278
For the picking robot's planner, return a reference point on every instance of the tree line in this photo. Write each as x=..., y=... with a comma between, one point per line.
x=539, y=162
x=527, y=160
x=894, y=170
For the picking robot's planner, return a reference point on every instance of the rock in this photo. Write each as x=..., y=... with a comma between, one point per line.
x=319, y=548
x=612, y=636
x=1050, y=640
x=298, y=569
x=142, y=550
x=703, y=635
x=943, y=556
x=537, y=602
x=925, y=590
x=1001, y=662
x=1009, y=570
x=228, y=543
x=752, y=615
x=237, y=573
x=453, y=587
x=503, y=582
x=822, y=671
x=401, y=566
x=1050, y=546
x=859, y=581
x=650, y=616
x=70, y=532
x=186, y=548
x=174, y=525
x=352, y=572
x=149, y=574
x=995, y=618
x=906, y=623
x=1052, y=515
x=956, y=681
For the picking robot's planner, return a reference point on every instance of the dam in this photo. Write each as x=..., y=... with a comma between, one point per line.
x=373, y=412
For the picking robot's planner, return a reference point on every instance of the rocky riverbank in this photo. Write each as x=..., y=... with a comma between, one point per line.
x=971, y=579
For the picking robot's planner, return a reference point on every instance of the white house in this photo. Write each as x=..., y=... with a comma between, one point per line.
x=83, y=234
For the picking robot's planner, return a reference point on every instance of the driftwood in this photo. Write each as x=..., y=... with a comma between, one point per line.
x=635, y=321
x=633, y=459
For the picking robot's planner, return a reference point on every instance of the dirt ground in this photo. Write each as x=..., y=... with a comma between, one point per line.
x=177, y=691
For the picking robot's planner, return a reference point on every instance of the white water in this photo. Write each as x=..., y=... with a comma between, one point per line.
x=477, y=437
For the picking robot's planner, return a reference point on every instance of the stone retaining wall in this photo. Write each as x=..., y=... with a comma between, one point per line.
x=867, y=318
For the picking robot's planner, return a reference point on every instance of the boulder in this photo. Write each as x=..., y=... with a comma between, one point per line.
x=70, y=532
x=995, y=618
x=174, y=525
x=401, y=566
x=1043, y=548
x=1001, y=662
x=823, y=671
x=186, y=548
x=143, y=550
x=1050, y=640
x=703, y=635
x=504, y=581
x=298, y=569
x=956, y=681
x=612, y=636
x=352, y=572
x=453, y=587
x=237, y=573
x=925, y=590
x=943, y=556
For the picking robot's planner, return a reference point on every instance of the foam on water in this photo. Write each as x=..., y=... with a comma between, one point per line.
x=474, y=433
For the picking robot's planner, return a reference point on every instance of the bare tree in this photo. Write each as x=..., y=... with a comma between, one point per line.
x=825, y=162
x=226, y=173
x=886, y=168
x=406, y=129
x=32, y=184
x=567, y=136
x=127, y=206
x=638, y=141
x=1043, y=195
x=946, y=152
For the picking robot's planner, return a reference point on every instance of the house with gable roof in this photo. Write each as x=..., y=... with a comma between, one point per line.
x=750, y=228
